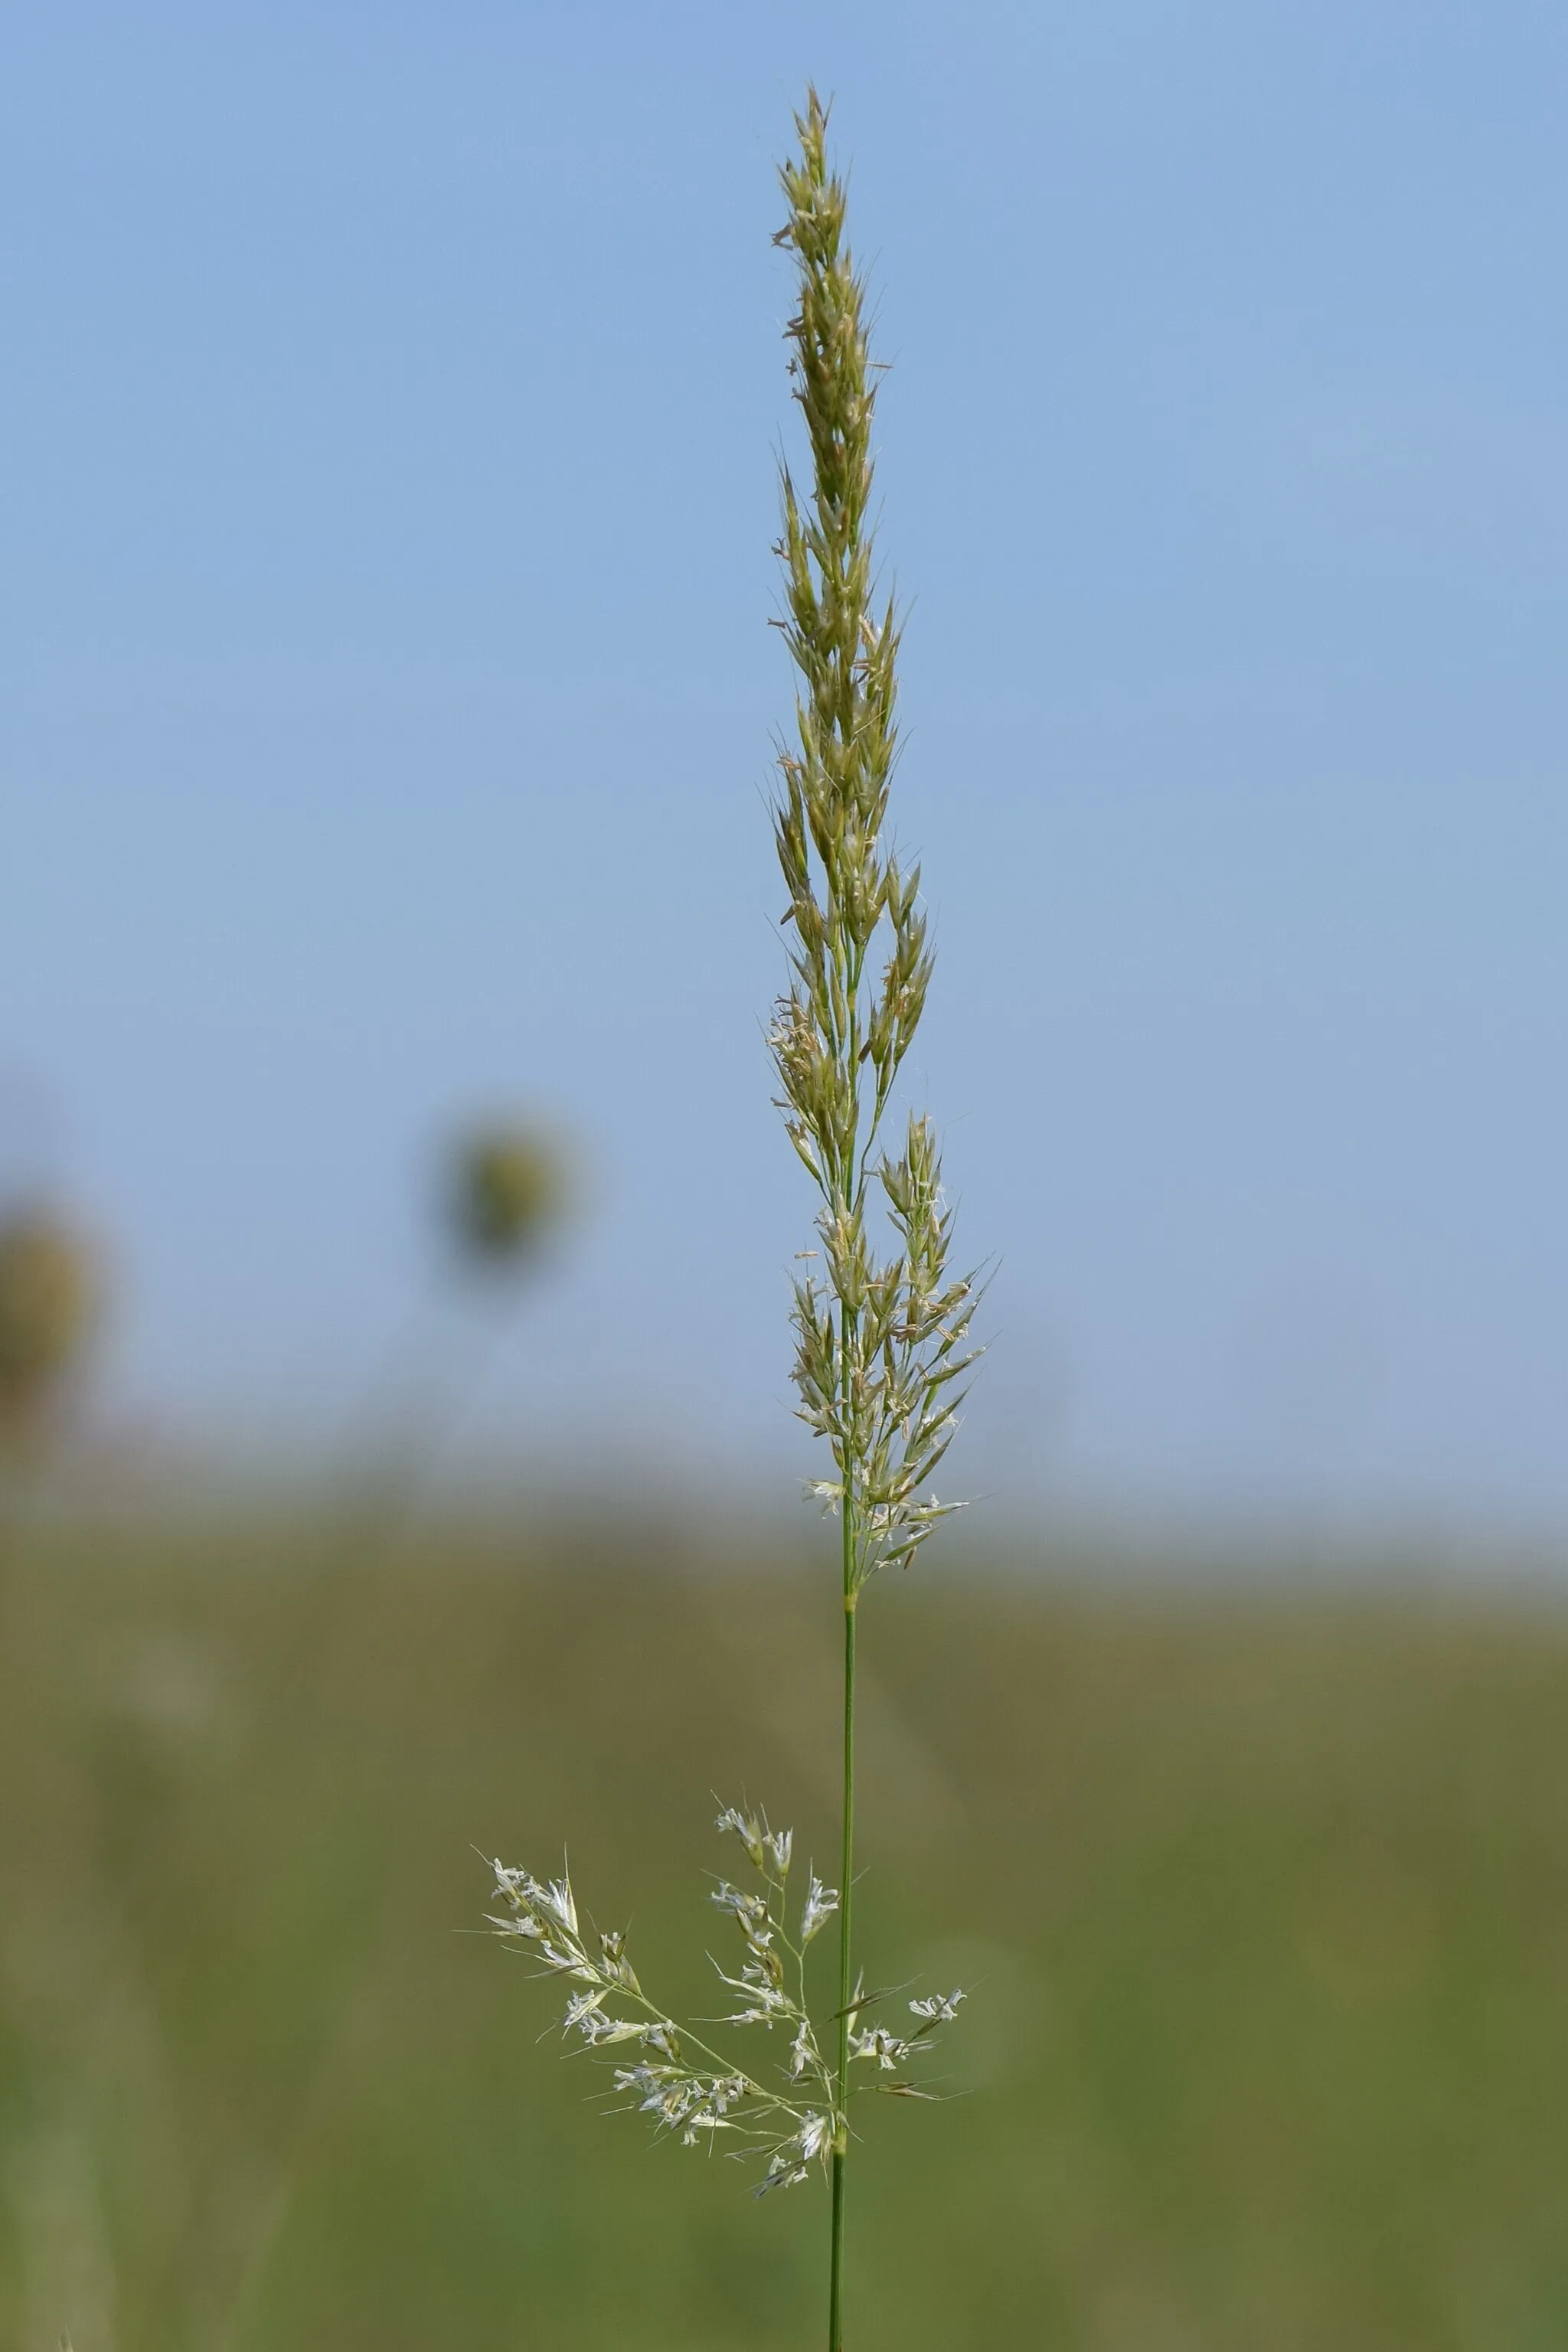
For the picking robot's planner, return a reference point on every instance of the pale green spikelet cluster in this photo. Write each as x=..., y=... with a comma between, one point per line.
x=790, y=2121
x=880, y=1346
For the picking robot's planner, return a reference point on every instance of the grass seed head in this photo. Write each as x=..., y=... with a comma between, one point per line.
x=881, y=1338
x=880, y=1343
x=507, y=1188
x=47, y=1292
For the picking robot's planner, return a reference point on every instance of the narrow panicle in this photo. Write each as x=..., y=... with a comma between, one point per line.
x=882, y=1341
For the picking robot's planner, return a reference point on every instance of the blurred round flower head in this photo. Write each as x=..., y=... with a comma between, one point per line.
x=508, y=1189
x=47, y=1294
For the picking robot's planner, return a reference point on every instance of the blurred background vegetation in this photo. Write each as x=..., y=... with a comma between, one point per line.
x=1265, y=1899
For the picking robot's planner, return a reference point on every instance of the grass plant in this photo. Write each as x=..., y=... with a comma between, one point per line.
x=1274, y=1916
x=881, y=1338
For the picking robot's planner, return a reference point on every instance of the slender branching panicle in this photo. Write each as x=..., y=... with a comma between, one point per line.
x=881, y=1327
x=881, y=1344
x=881, y=1341
x=788, y=2112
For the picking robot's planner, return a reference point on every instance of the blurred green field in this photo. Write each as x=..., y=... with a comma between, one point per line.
x=1265, y=1901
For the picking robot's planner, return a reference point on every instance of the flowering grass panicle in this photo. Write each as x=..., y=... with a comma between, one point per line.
x=881, y=1341
x=881, y=1345
x=786, y=2110
x=881, y=1327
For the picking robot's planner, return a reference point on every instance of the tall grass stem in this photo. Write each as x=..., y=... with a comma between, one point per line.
x=846, y=1956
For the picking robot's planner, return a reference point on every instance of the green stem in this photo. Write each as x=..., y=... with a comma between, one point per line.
x=845, y=1963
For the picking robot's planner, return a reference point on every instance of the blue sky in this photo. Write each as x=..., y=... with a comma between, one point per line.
x=391, y=402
